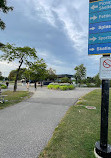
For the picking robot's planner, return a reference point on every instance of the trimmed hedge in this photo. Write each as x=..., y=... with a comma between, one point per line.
x=61, y=87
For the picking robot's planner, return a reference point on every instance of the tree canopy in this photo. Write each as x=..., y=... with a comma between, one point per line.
x=23, y=54
x=5, y=9
x=12, y=74
x=80, y=73
x=51, y=74
x=97, y=80
x=37, y=70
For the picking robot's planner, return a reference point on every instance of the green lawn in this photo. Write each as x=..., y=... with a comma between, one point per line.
x=77, y=133
x=14, y=97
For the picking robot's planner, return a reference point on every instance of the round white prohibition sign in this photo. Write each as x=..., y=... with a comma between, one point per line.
x=107, y=63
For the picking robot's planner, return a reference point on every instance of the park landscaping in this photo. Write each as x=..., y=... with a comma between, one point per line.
x=77, y=133
x=61, y=86
x=14, y=97
x=3, y=86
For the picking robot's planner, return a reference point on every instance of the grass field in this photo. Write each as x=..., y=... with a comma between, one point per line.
x=14, y=97
x=77, y=133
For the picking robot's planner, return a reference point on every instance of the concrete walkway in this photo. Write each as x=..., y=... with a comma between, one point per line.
x=26, y=128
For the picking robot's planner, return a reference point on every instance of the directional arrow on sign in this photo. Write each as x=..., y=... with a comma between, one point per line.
x=93, y=39
x=94, y=7
x=91, y=49
x=92, y=28
x=93, y=18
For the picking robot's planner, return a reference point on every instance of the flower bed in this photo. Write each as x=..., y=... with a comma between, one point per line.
x=61, y=86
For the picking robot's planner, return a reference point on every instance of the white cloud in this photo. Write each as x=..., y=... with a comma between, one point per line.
x=61, y=69
x=71, y=18
x=73, y=15
x=5, y=67
x=49, y=58
x=38, y=10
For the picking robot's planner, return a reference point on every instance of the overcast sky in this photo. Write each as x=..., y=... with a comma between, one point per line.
x=58, y=29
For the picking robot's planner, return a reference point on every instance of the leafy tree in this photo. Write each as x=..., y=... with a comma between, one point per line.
x=22, y=54
x=97, y=80
x=65, y=80
x=89, y=80
x=1, y=44
x=80, y=73
x=5, y=9
x=12, y=74
x=1, y=77
x=37, y=70
x=0, y=73
x=51, y=74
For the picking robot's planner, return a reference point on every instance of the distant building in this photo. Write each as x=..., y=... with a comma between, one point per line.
x=64, y=75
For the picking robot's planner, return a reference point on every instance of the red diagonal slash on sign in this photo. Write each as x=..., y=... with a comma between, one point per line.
x=107, y=63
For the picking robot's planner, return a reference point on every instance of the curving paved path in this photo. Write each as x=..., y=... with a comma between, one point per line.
x=25, y=128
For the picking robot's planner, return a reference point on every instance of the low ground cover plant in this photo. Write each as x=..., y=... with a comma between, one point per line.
x=61, y=86
x=3, y=86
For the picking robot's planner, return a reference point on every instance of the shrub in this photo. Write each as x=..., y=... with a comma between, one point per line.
x=61, y=86
x=71, y=87
x=3, y=86
x=50, y=86
x=53, y=83
x=56, y=87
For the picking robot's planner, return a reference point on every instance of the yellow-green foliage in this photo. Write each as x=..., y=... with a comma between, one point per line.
x=3, y=86
x=61, y=87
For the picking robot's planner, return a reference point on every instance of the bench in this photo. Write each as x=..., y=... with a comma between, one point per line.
x=2, y=97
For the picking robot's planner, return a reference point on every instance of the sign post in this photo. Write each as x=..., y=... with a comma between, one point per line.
x=100, y=43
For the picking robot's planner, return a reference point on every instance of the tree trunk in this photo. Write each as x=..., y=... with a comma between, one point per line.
x=15, y=84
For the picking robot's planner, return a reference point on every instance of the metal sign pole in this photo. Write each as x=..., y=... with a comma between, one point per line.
x=100, y=43
x=103, y=149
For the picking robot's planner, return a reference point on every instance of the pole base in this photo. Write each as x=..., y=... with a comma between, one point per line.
x=102, y=153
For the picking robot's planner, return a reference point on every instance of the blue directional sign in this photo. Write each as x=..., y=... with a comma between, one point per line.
x=95, y=49
x=99, y=6
x=100, y=16
x=100, y=38
x=99, y=27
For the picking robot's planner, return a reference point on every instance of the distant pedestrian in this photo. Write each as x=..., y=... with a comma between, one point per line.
x=7, y=84
x=35, y=85
x=41, y=85
x=27, y=82
x=22, y=82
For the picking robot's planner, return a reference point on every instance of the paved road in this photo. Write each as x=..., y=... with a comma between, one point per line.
x=26, y=127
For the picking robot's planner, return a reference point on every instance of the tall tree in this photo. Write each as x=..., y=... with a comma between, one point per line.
x=51, y=74
x=5, y=9
x=1, y=77
x=38, y=70
x=80, y=73
x=12, y=74
x=0, y=73
x=97, y=80
x=22, y=54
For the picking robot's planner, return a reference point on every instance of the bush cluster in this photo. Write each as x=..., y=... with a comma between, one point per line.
x=62, y=87
x=3, y=86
